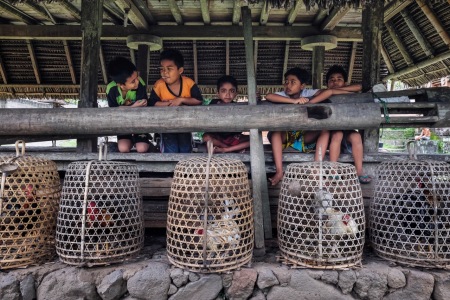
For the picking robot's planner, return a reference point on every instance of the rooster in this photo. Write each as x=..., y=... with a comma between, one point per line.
x=223, y=232
x=338, y=225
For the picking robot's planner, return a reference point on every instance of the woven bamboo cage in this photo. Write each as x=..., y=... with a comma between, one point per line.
x=321, y=218
x=210, y=215
x=29, y=196
x=410, y=213
x=100, y=219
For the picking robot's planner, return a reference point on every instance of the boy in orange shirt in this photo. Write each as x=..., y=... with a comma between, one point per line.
x=173, y=89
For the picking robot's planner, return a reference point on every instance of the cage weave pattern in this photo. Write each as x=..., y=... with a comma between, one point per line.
x=321, y=227
x=28, y=213
x=410, y=214
x=102, y=223
x=228, y=218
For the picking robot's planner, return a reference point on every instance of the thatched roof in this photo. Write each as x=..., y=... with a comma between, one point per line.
x=56, y=54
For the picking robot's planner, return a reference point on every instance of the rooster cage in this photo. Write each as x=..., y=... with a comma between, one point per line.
x=100, y=219
x=410, y=213
x=321, y=219
x=30, y=191
x=210, y=215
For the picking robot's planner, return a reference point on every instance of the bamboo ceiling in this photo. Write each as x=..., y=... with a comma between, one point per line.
x=34, y=66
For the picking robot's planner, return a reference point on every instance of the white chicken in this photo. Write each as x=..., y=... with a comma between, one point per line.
x=223, y=234
x=339, y=223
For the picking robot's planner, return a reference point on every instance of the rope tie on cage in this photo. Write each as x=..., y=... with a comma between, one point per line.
x=385, y=108
x=205, y=215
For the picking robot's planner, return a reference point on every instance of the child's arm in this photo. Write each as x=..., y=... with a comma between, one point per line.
x=184, y=101
x=351, y=88
x=325, y=94
x=281, y=99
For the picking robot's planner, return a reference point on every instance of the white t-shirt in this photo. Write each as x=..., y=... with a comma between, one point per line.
x=307, y=93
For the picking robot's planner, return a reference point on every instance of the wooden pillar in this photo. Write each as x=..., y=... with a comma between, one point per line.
x=263, y=225
x=91, y=30
x=142, y=63
x=227, y=57
x=372, y=25
x=318, y=59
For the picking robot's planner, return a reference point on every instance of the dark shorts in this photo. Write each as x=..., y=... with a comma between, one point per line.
x=135, y=138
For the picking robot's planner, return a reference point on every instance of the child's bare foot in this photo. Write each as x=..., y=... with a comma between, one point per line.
x=276, y=178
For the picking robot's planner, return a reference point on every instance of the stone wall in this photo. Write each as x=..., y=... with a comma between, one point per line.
x=155, y=278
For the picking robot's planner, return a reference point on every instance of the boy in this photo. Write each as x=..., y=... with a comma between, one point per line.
x=127, y=89
x=304, y=141
x=173, y=89
x=226, y=141
x=336, y=79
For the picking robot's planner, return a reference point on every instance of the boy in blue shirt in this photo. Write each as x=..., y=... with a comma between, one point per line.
x=127, y=89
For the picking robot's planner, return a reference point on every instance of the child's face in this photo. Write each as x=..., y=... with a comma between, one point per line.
x=227, y=92
x=292, y=85
x=336, y=81
x=132, y=82
x=170, y=73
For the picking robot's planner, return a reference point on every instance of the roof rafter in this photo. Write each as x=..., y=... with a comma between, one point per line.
x=264, y=13
x=69, y=61
x=320, y=16
x=204, y=6
x=387, y=59
x=34, y=61
x=236, y=12
x=399, y=43
x=17, y=13
x=393, y=8
x=75, y=12
x=103, y=65
x=111, y=16
x=3, y=71
x=40, y=10
x=351, y=63
x=434, y=21
x=423, y=42
x=294, y=12
x=335, y=16
x=135, y=16
x=143, y=8
x=176, y=13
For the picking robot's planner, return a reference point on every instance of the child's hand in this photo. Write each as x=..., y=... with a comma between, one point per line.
x=176, y=102
x=140, y=103
x=301, y=100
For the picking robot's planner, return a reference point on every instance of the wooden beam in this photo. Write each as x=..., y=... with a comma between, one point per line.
x=335, y=16
x=419, y=65
x=176, y=33
x=318, y=60
x=103, y=65
x=232, y=118
x=264, y=17
x=34, y=63
x=423, y=42
x=261, y=207
x=145, y=11
x=108, y=14
x=143, y=61
x=134, y=15
x=320, y=16
x=351, y=63
x=194, y=50
x=392, y=8
x=69, y=62
x=294, y=12
x=434, y=21
x=71, y=9
x=227, y=57
x=387, y=59
x=204, y=6
x=175, y=10
x=43, y=12
x=21, y=16
x=236, y=12
x=3, y=71
x=399, y=43
x=286, y=59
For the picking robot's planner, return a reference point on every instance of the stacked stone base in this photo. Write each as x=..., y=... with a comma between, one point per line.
x=155, y=278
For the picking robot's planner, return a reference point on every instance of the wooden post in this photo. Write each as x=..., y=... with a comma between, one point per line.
x=142, y=63
x=372, y=26
x=91, y=29
x=318, y=58
x=263, y=225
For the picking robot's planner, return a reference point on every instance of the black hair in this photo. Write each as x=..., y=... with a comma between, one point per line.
x=336, y=70
x=302, y=75
x=226, y=79
x=120, y=69
x=173, y=55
